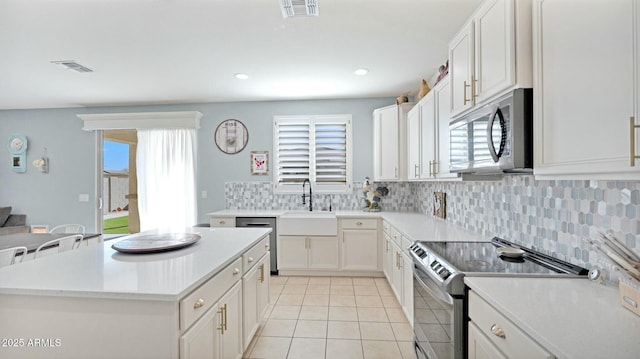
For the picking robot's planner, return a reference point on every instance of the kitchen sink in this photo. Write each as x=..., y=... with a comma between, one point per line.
x=306, y=223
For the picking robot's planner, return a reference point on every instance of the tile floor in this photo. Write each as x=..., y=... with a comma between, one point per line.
x=332, y=318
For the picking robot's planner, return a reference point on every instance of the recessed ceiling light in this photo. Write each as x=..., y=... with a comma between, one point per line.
x=241, y=76
x=361, y=72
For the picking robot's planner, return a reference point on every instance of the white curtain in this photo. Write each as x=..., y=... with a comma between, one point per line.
x=166, y=176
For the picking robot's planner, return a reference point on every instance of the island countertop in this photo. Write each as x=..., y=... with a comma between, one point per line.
x=102, y=272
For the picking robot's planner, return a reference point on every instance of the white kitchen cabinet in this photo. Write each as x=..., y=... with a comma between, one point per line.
x=428, y=136
x=222, y=221
x=359, y=244
x=491, y=54
x=414, y=141
x=202, y=340
x=491, y=334
x=308, y=252
x=480, y=347
x=231, y=337
x=576, y=136
x=389, y=145
x=387, y=257
x=407, y=286
x=255, y=293
x=396, y=272
x=461, y=70
x=218, y=332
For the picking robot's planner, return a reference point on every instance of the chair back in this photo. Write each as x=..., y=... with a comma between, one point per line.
x=8, y=256
x=68, y=228
x=64, y=244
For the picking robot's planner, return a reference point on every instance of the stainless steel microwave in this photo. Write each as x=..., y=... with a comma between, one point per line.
x=495, y=138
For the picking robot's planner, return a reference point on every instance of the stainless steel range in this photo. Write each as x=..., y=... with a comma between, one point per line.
x=440, y=307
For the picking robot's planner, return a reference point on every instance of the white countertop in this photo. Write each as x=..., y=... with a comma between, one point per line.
x=100, y=271
x=571, y=318
x=415, y=226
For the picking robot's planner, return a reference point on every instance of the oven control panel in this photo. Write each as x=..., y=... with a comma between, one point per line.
x=430, y=262
x=440, y=270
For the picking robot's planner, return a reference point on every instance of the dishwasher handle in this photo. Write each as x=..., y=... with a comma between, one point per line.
x=257, y=224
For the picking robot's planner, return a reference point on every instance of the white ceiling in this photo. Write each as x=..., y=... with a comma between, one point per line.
x=185, y=51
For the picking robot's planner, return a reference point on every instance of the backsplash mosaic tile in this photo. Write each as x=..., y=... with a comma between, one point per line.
x=553, y=217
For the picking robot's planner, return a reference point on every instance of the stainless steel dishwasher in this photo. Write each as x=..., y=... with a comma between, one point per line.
x=263, y=222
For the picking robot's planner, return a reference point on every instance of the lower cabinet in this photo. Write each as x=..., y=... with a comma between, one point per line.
x=387, y=256
x=398, y=268
x=359, y=244
x=255, y=288
x=308, y=252
x=480, y=347
x=491, y=335
x=218, y=333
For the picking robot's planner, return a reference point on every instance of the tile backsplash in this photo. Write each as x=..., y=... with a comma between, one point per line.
x=553, y=217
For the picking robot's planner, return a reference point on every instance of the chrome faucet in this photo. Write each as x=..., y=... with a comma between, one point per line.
x=307, y=195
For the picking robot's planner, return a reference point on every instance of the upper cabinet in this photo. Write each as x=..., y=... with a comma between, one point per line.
x=428, y=136
x=578, y=47
x=389, y=145
x=491, y=54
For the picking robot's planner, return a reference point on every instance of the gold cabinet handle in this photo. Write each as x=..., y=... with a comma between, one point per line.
x=416, y=172
x=223, y=222
x=497, y=331
x=632, y=129
x=358, y=223
x=250, y=259
x=224, y=311
x=464, y=93
x=387, y=246
x=266, y=246
x=221, y=327
x=261, y=273
x=474, y=83
x=434, y=170
x=198, y=304
x=236, y=271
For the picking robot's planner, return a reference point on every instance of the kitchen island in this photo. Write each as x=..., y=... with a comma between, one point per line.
x=95, y=302
x=567, y=318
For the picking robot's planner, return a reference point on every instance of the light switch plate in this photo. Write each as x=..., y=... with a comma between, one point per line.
x=83, y=197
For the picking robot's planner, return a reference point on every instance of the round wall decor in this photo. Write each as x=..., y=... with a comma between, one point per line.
x=231, y=136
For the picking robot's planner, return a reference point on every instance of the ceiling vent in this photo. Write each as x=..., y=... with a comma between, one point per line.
x=72, y=65
x=299, y=8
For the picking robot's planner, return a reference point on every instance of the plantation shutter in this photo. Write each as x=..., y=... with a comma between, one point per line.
x=313, y=147
x=293, y=151
x=331, y=153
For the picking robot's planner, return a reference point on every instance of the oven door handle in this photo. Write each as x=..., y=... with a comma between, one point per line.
x=437, y=292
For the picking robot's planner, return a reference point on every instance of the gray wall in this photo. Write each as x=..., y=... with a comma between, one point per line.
x=53, y=198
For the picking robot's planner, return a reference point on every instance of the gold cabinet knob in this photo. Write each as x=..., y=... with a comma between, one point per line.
x=358, y=223
x=236, y=271
x=198, y=304
x=250, y=259
x=223, y=222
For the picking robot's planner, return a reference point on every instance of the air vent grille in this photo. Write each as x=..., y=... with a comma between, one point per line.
x=72, y=65
x=299, y=8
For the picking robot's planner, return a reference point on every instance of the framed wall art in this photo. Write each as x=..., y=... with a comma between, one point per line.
x=259, y=163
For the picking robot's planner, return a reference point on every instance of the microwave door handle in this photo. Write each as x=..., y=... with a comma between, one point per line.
x=503, y=134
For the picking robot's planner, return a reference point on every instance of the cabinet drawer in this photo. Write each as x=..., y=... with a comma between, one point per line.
x=359, y=223
x=406, y=243
x=396, y=237
x=386, y=227
x=222, y=222
x=253, y=255
x=196, y=304
x=506, y=336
